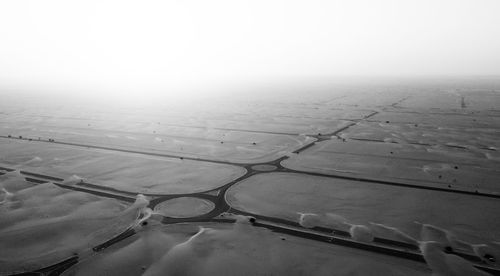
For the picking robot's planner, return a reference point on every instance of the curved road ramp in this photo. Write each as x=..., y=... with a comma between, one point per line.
x=400, y=181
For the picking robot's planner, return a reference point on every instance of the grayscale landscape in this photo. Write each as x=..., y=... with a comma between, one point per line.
x=194, y=139
x=333, y=183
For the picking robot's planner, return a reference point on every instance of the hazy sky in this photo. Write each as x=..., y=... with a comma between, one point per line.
x=148, y=45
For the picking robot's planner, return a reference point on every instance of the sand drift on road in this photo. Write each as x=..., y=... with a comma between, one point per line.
x=367, y=179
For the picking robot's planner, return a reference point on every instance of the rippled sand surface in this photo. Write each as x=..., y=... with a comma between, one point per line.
x=395, y=178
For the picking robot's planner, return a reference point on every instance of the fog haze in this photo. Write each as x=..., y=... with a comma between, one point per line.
x=156, y=46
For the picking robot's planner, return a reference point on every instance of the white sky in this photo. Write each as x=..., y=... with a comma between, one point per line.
x=153, y=45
